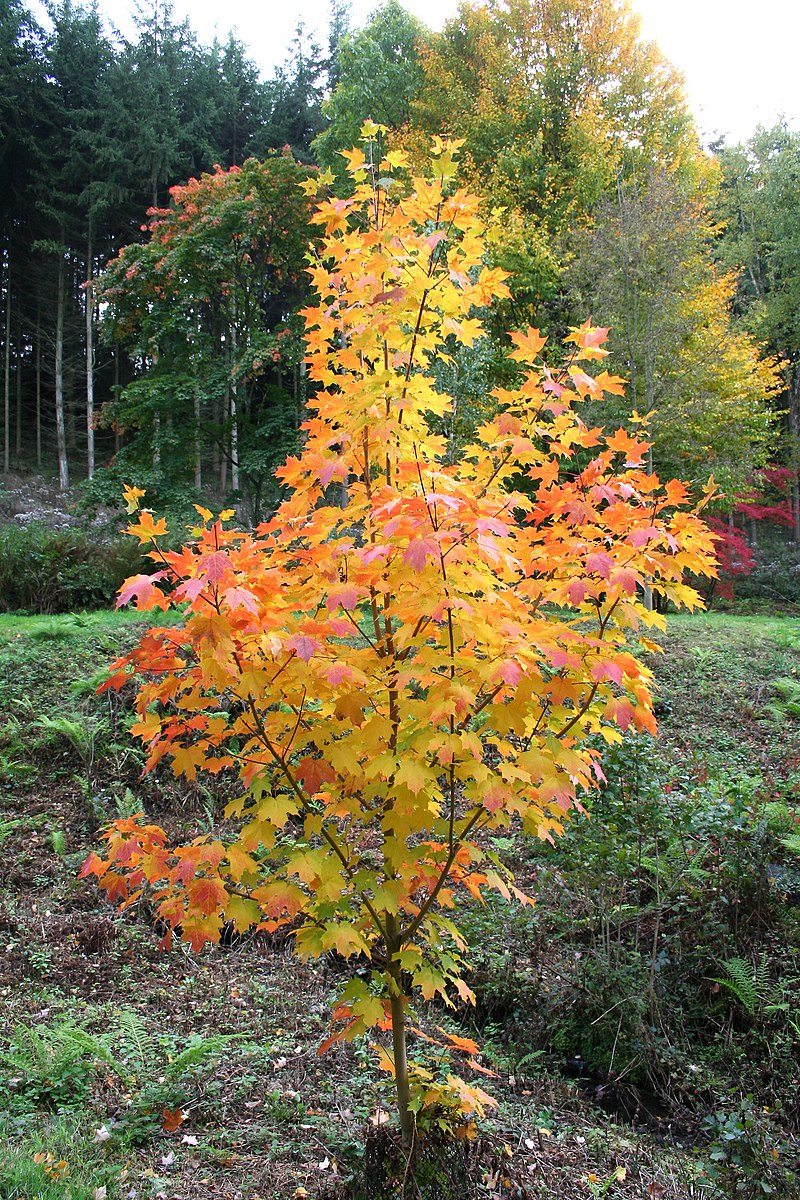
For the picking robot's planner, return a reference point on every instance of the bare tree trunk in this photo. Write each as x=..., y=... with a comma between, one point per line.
x=156, y=447
x=223, y=458
x=198, y=460
x=61, y=437
x=116, y=394
x=647, y=591
x=303, y=408
x=234, y=425
x=89, y=363
x=402, y=1090
x=18, y=379
x=38, y=390
x=218, y=417
x=7, y=378
x=794, y=427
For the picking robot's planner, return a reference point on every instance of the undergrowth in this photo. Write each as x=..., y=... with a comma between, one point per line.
x=651, y=993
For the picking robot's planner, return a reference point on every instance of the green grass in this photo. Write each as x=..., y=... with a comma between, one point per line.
x=66, y=625
x=58, y=1160
x=722, y=684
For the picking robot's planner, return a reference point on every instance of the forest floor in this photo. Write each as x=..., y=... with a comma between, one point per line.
x=27, y=498
x=642, y=1021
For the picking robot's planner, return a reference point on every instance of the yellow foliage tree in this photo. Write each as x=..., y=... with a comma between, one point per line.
x=411, y=653
x=555, y=100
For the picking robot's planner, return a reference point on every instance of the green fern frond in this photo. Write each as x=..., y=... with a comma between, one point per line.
x=198, y=1049
x=89, y=1044
x=741, y=982
x=792, y=842
x=134, y=1039
x=37, y=1051
x=761, y=980
x=751, y=985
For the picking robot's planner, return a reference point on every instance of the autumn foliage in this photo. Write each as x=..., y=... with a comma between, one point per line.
x=411, y=652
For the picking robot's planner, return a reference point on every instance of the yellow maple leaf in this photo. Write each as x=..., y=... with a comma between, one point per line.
x=132, y=496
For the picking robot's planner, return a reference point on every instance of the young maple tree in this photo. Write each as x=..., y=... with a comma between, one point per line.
x=409, y=654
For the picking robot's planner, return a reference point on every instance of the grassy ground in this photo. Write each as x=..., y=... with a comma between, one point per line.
x=642, y=1021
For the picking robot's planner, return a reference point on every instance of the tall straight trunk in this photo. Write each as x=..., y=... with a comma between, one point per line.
x=794, y=427
x=7, y=378
x=156, y=447
x=402, y=1089
x=234, y=412
x=73, y=415
x=302, y=411
x=89, y=362
x=198, y=456
x=217, y=455
x=397, y=1002
x=38, y=391
x=116, y=395
x=197, y=404
x=223, y=458
x=61, y=436
x=18, y=380
x=219, y=413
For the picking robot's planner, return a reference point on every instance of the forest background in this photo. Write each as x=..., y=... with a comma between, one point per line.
x=154, y=234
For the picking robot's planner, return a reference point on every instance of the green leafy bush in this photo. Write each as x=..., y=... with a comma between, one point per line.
x=748, y=1156
x=666, y=889
x=45, y=570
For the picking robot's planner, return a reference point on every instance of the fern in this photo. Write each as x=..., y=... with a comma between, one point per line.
x=741, y=983
x=67, y=728
x=199, y=1048
x=787, y=702
x=7, y=827
x=752, y=986
x=60, y=1057
x=47, y=1063
x=95, y=1047
x=762, y=982
x=792, y=842
x=136, y=1042
x=38, y=1050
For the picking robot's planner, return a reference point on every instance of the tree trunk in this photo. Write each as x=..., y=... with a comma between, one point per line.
x=404, y=1113
x=647, y=591
x=198, y=455
x=223, y=457
x=234, y=425
x=61, y=437
x=396, y=998
x=303, y=408
x=794, y=426
x=18, y=382
x=156, y=444
x=116, y=397
x=89, y=363
x=38, y=391
x=7, y=379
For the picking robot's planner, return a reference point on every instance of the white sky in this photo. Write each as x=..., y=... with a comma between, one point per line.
x=740, y=59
